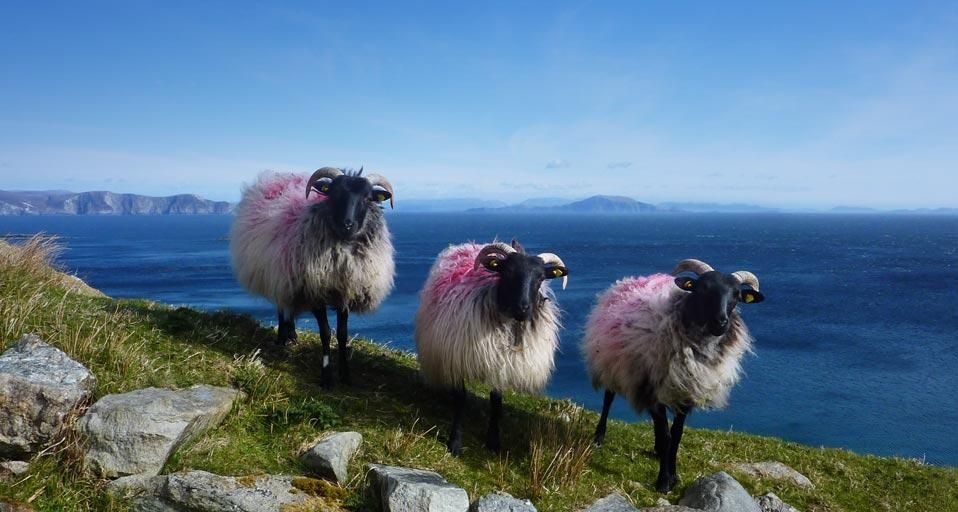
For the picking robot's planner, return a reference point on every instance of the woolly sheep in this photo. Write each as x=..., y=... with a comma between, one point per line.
x=487, y=314
x=669, y=342
x=306, y=244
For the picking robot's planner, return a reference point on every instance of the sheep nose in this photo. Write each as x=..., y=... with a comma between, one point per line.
x=723, y=322
x=348, y=224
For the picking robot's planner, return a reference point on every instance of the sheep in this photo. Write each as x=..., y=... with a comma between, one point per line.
x=487, y=314
x=669, y=343
x=307, y=252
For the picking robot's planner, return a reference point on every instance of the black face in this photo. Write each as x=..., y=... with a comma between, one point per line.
x=713, y=297
x=350, y=198
x=520, y=277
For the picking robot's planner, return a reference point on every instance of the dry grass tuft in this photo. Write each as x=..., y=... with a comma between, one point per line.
x=560, y=449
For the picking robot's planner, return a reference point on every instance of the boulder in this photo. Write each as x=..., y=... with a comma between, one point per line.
x=773, y=470
x=330, y=457
x=718, y=493
x=13, y=468
x=136, y=432
x=769, y=502
x=396, y=489
x=41, y=387
x=501, y=502
x=612, y=503
x=199, y=491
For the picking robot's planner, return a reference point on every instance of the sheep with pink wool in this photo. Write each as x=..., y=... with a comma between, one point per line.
x=669, y=342
x=487, y=314
x=312, y=243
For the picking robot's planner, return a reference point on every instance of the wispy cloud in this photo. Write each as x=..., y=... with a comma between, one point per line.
x=557, y=164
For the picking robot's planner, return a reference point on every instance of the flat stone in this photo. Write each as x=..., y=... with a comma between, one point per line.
x=330, y=457
x=41, y=386
x=612, y=503
x=136, y=432
x=718, y=493
x=769, y=502
x=773, y=470
x=13, y=468
x=669, y=508
x=501, y=502
x=397, y=489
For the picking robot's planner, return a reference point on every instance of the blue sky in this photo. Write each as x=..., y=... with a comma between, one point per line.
x=773, y=103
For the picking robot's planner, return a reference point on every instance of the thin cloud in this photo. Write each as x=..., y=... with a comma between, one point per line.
x=557, y=164
x=619, y=165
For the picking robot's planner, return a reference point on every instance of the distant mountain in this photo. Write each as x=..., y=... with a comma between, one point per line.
x=448, y=205
x=853, y=209
x=60, y=202
x=717, y=208
x=594, y=204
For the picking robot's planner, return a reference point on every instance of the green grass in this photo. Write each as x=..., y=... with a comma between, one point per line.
x=131, y=344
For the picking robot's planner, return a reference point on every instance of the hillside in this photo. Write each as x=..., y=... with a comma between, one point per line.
x=59, y=202
x=130, y=344
x=594, y=204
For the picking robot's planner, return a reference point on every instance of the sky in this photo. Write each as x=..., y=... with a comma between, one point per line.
x=793, y=104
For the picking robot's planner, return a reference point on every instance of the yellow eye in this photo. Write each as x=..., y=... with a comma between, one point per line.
x=688, y=284
x=749, y=298
x=380, y=197
x=557, y=272
x=493, y=263
x=324, y=188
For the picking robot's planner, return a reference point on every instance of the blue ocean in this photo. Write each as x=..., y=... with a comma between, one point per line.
x=857, y=341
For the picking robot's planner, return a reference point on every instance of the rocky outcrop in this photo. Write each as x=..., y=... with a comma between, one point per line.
x=330, y=457
x=769, y=502
x=396, y=489
x=773, y=470
x=10, y=469
x=501, y=502
x=718, y=493
x=136, y=432
x=41, y=387
x=58, y=202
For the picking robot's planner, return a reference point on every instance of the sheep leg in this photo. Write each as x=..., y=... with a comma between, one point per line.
x=495, y=414
x=325, y=375
x=459, y=406
x=600, y=428
x=286, y=330
x=342, y=336
x=660, y=422
x=678, y=426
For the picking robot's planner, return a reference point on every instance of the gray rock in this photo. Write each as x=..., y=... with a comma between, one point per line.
x=501, y=502
x=718, y=493
x=199, y=491
x=13, y=468
x=41, y=387
x=13, y=506
x=612, y=503
x=136, y=432
x=397, y=489
x=769, y=502
x=774, y=470
x=330, y=457
x=669, y=508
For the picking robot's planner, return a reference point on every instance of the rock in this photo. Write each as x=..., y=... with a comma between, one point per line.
x=199, y=491
x=718, y=493
x=501, y=502
x=41, y=387
x=769, y=502
x=13, y=506
x=773, y=470
x=136, y=432
x=669, y=508
x=330, y=457
x=13, y=468
x=397, y=489
x=612, y=503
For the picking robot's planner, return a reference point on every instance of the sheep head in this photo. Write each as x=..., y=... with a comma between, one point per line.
x=713, y=295
x=349, y=197
x=518, y=289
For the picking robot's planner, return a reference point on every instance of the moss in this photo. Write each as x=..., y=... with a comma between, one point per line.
x=322, y=488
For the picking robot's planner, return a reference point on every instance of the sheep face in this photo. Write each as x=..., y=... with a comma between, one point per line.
x=712, y=299
x=518, y=289
x=349, y=199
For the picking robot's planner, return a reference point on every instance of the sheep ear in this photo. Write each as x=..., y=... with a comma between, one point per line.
x=749, y=295
x=685, y=282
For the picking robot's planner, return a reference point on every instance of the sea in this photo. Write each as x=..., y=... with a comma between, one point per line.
x=857, y=340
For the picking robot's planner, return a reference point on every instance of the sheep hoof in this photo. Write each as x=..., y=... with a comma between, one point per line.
x=326, y=381
x=598, y=439
x=455, y=448
x=665, y=483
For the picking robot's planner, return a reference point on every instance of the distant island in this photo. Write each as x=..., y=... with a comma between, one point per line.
x=594, y=204
x=61, y=202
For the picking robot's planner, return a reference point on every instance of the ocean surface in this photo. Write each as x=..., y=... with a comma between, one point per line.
x=857, y=341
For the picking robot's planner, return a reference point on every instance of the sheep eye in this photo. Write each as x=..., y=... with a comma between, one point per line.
x=494, y=263
x=688, y=284
x=323, y=188
x=557, y=272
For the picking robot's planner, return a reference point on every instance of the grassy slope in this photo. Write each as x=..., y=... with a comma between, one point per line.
x=547, y=457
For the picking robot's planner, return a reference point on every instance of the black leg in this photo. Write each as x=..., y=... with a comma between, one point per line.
x=325, y=374
x=495, y=414
x=660, y=422
x=600, y=428
x=458, y=407
x=342, y=333
x=678, y=426
x=286, y=331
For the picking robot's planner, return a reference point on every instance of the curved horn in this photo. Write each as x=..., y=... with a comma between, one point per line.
x=378, y=179
x=493, y=248
x=691, y=265
x=746, y=277
x=325, y=172
x=550, y=258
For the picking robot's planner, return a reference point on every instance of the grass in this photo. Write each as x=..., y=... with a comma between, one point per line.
x=130, y=344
